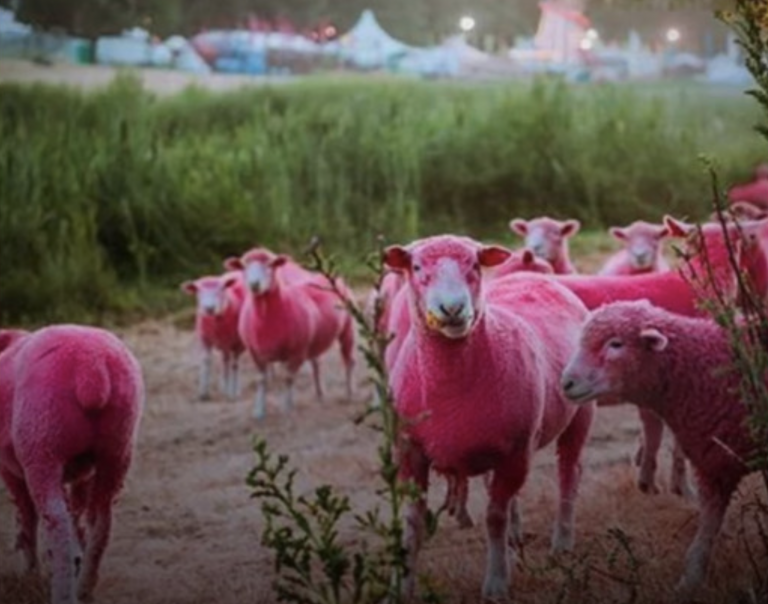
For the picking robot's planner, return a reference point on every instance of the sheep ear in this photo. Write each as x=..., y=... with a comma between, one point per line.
x=397, y=258
x=279, y=260
x=654, y=339
x=230, y=281
x=677, y=228
x=663, y=232
x=233, y=264
x=189, y=287
x=492, y=255
x=519, y=226
x=618, y=233
x=570, y=228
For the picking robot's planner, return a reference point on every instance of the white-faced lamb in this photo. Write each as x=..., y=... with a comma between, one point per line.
x=71, y=398
x=476, y=384
x=680, y=368
x=548, y=239
x=219, y=300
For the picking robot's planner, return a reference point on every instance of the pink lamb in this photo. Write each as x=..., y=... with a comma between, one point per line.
x=754, y=192
x=548, y=239
x=70, y=402
x=677, y=367
x=219, y=300
x=289, y=316
x=476, y=384
x=642, y=252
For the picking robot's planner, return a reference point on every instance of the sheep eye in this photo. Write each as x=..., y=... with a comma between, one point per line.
x=615, y=344
x=416, y=268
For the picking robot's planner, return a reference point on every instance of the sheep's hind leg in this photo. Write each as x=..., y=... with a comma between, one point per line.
x=570, y=444
x=26, y=540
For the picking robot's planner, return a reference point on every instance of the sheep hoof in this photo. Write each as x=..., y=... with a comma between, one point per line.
x=495, y=589
x=649, y=488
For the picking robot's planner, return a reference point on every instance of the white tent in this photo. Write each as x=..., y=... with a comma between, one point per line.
x=367, y=45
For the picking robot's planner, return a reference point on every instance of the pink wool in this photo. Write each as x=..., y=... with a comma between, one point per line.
x=70, y=402
x=676, y=367
x=548, y=239
x=642, y=252
x=390, y=285
x=754, y=192
x=219, y=300
x=289, y=316
x=477, y=385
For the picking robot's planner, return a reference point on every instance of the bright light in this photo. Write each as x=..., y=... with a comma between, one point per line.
x=673, y=35
x=466, y=23
x=592, y=34
x=586, y=44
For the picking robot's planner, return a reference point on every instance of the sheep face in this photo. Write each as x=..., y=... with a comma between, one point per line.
x=545, y=236
x=617, y=343
x=211, y=293
x=443, y=275
x=642, y=241
x=259, y=268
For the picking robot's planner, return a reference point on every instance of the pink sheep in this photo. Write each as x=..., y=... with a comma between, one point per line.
x=678, y=292
x=219, y=300
x=642, y=252
x=289, y=316
x=476, y=384
x=754, y=192
x=548, y=239
x=70, y=402
x=676, y=367
x=390, y=285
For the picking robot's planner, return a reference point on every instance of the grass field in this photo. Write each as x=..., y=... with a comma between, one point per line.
x=112, y=195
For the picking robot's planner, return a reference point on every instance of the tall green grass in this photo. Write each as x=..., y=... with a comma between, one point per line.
x=107, y=195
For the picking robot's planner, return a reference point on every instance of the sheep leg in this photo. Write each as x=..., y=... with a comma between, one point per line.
x=505, y=484
x=225, y=377
x=291, y=370
x=316, y=376
x=653, y=429
x=714, y=500
x=347, y=346
x=204, y=389
x=413, y=466
x=679, y=477
x=234, y=384
x=570, y=444
x=515, y=533
x=79, y=494
x=260, y=402
x=26, y=540
x=456, y=500
x=107, y=483
x=47, y=491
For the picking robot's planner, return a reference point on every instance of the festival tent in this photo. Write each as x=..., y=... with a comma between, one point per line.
x=367, y=45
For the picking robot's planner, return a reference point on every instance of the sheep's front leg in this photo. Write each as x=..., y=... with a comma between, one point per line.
x=653, y=430
x=260, y=402
x=505, y=484
x=204, y=387
x=714, y=501
x=316, y=376
x=679, y=479
x=414, y=467
x=234, y=372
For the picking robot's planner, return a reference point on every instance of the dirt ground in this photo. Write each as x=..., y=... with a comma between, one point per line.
x=187, y=532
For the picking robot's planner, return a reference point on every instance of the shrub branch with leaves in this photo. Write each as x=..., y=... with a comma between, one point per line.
x=314, y=564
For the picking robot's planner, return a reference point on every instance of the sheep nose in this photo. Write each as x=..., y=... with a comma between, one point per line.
x=452, y=311
x=567, y=383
